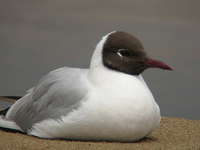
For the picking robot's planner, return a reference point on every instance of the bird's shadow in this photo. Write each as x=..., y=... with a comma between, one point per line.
x=148, y=139
x=143, y=140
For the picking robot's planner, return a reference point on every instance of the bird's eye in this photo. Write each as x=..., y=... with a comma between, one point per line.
x=124, y=52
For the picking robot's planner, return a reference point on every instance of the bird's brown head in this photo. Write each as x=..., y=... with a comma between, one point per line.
x=125, y=53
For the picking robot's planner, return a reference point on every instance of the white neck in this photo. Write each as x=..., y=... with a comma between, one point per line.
x=96, y=60
x=96, y=63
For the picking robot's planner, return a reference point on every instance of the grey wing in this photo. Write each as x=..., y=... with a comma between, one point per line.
x=56, y=94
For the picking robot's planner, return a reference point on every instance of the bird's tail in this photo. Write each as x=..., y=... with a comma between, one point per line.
x=6, y=102
x=6, y=124
x=9, y=125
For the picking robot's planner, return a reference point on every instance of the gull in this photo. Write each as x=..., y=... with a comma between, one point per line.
x=109, y=101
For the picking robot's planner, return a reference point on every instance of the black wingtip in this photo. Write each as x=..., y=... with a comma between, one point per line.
x=11, y=130
x=12, y=97
x=4, y=111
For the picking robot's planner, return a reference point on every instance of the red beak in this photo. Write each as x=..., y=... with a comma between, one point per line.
x=157, y=64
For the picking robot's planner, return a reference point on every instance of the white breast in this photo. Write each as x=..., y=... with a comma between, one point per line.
x=119, y=108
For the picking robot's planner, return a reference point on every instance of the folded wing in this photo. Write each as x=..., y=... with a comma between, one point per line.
x=58, y=93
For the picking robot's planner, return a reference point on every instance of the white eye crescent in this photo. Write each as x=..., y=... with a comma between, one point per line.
x=123, y=52
x=118, y=53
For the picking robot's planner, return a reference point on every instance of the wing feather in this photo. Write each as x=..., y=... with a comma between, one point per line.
x=56, y=94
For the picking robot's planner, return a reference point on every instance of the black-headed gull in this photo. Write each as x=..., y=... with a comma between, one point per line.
x=108, y=101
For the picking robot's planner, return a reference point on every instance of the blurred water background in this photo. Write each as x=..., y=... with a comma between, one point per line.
x=39, y=36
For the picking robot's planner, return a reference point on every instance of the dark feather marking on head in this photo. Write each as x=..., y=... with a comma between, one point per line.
x=132, y=61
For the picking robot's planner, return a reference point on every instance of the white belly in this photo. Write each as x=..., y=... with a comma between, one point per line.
x=105, y=116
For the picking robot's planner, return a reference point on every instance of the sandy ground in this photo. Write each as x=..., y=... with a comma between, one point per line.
x=174, y=133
